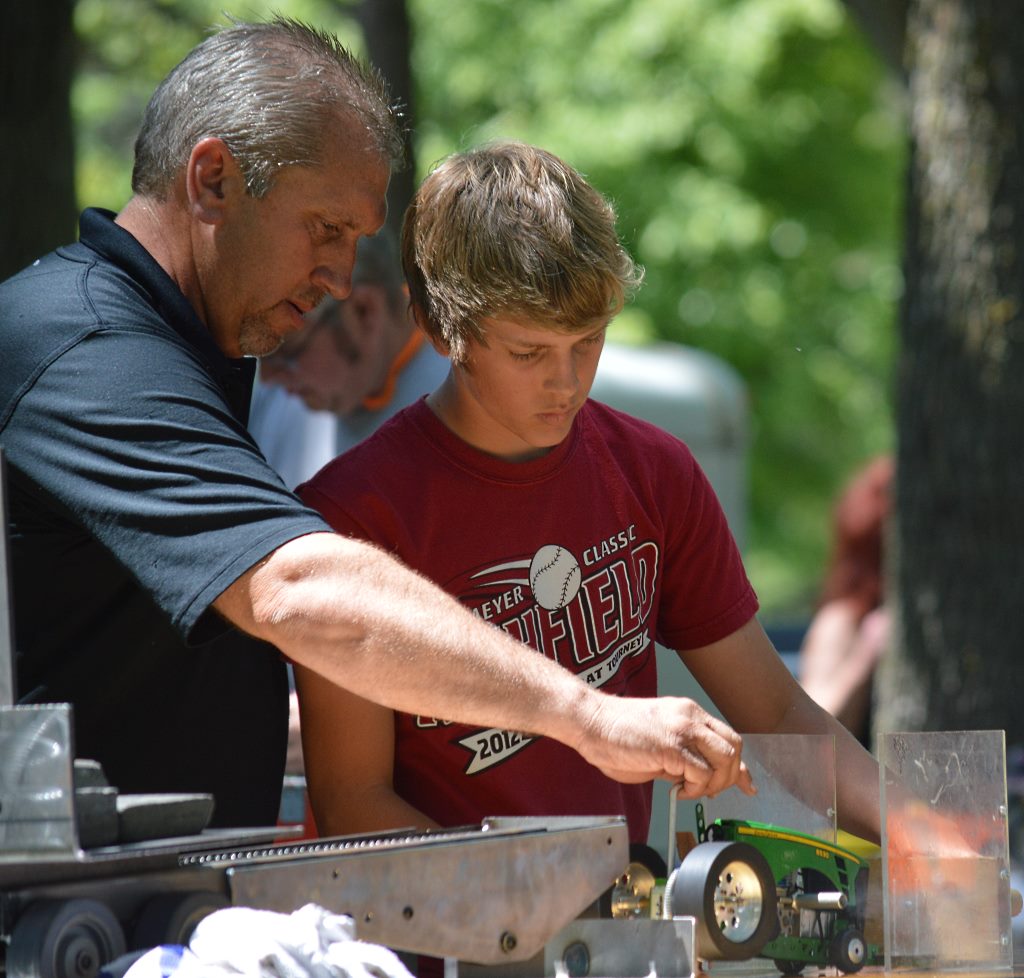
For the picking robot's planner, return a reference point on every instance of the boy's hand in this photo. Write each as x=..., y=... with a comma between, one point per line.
x=636, y=740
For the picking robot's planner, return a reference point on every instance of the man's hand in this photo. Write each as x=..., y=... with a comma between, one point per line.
x=636, y=740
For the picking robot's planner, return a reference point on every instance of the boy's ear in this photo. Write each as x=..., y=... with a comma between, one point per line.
x=211, y=177
x=419, y=317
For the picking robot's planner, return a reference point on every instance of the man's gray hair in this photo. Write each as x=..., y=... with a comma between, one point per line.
x=271, y=91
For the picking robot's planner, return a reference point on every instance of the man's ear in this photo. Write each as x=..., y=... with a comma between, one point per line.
x=211, y=176
x=419, y=318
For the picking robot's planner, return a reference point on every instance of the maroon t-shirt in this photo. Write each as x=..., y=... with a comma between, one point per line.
x=590, y=554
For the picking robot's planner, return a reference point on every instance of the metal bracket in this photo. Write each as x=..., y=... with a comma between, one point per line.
x=490, y=895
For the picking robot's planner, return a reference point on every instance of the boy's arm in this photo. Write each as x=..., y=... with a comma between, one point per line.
x=349, y=748
x=355, y=615
x=755, y=691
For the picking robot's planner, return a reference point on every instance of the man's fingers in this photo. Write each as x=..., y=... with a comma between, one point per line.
x=745, y=782
x=723, y=730
x=712, y=756
x=673, y=739
x=720, y=747
x=689, y=791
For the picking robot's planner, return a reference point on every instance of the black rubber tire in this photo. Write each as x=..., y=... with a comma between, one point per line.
x=790, y=969
x=848, y=950
x=640, y=852
x=170, y=918
x=64, y=939
x=729, y=889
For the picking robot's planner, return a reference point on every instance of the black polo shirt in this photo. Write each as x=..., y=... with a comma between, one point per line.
x=136, y=497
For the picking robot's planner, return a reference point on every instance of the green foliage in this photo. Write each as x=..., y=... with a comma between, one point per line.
x=754, y=151
x=127, y=46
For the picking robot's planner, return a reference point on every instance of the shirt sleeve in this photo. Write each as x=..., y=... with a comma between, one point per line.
x=706, y=594
x=131, y=438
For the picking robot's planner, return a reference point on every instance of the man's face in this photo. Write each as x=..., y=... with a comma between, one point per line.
x=338, y=358
x=273, y=259
x=516, y=397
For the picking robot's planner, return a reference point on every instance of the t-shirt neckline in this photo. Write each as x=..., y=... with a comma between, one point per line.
x=479, y=463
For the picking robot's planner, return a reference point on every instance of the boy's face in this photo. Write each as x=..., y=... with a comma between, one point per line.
x=516, y=397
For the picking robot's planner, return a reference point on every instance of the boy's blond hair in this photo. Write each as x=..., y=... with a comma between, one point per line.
x=511, y=230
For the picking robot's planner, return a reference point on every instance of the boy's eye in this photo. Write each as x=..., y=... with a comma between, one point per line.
x=523, y=356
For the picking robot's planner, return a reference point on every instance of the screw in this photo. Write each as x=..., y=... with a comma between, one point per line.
x=407, y=913
x=576, y=958
x=508, y=942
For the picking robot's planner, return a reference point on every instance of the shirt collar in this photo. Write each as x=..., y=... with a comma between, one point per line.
x=99, y=233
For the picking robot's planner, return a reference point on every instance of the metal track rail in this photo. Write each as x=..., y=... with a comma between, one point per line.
x=490, y=893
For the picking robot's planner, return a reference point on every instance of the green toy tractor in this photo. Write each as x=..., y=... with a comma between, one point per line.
x=760, y=890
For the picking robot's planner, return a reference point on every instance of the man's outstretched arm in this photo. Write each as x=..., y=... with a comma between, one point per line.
x=353, y=614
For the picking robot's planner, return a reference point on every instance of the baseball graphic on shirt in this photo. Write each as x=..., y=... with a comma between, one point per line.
x=554, y=576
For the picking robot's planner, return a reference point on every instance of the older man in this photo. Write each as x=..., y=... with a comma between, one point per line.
x=159, y=563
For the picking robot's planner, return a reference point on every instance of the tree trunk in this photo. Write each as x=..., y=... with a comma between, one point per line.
x=386, y=28
x=884, y=23
x=958, y=554
x=37, y=191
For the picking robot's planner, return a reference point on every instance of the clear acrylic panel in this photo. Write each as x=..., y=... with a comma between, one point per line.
x=36, y=795
x=795, y=776
x=945, y=851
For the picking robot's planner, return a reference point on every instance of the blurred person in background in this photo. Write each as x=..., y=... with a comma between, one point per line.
x=357, y=362
x=850, y=629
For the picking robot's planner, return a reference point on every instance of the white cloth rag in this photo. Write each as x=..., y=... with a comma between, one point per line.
x=309, y=943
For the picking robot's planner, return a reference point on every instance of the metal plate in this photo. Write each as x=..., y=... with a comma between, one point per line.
x=482, y=895
x=624, y=948
x=591, y=948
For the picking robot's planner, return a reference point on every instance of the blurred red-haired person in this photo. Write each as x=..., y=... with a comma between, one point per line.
x=850, y=629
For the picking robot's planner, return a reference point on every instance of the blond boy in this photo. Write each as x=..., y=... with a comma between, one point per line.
x=583, y=532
